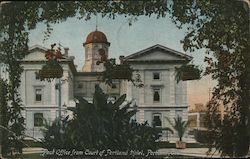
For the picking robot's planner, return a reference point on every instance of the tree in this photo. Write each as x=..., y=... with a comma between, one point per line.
x=222, y=28
x=3, y=116
x=179, y=126
x=101, y=125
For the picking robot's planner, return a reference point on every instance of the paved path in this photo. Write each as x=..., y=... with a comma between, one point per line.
x=30, y=150
x=197, y=152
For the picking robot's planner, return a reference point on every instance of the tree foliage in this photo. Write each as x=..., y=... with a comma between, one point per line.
x=3, y=116
x=101, y=125
x=222, y=28
x=187, y=72
x=121, y=71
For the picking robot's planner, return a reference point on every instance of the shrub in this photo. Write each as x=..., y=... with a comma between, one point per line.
x=201, y=136
x=101, y=125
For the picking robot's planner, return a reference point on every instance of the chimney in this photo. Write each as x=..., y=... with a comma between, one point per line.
x=121, y=58
x=66, y=51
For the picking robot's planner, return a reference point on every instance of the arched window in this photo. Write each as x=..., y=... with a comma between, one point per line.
x=38, y=119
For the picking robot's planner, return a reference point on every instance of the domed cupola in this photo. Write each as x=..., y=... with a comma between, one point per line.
x=96, y=37
x=95, y=42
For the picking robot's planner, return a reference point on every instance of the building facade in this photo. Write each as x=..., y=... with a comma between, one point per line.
x=161, y=96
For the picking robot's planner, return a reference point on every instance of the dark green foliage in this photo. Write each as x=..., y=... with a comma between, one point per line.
x=52, y=69
x=222, y=29
x=201, y=136
x=56, y=136
x=188, y=72
x=229, y=137
x=123, y=71
x=10, y=134
x=101, y=125
x=4, y=117
x=114, y=71
x=180, y=126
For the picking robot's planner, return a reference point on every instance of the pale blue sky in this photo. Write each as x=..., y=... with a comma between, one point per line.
x=124, y=40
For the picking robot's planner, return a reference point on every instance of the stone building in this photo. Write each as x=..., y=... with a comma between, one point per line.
x=160, y=97
x=196, y=117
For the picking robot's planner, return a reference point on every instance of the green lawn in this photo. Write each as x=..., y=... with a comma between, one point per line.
x=26, y=156
x=32, y=156
x=32, y=143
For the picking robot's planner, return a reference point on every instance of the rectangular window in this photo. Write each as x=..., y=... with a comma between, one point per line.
x=38, y=119
x=37, y=76
x=156, y=95
x=157, y=120
x=38, y=94
x=156, y=75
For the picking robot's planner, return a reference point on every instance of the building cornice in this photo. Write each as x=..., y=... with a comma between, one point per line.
x=133, y=61
x=89, y=74
x=161, y=107
x=159, y=47
x=69, y=62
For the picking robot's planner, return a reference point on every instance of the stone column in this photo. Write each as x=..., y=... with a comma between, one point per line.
x=141, y=116
x=65, y=88
x=184, y=93
x=53, y=92
x=198, y=120
x=142, y=90
x=23, y=87
x=52, y=115
x=172, y=86
x=29, y=123
x=129, y=91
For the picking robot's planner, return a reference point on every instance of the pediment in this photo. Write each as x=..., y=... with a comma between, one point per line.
x=36, y=53
x=158, y=53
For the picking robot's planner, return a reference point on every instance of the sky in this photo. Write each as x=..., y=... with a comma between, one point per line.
x=125, y=40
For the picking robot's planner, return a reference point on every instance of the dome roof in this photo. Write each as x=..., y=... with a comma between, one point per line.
x=96, y=37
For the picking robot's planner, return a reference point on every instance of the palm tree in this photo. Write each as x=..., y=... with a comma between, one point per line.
x=179, y=126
